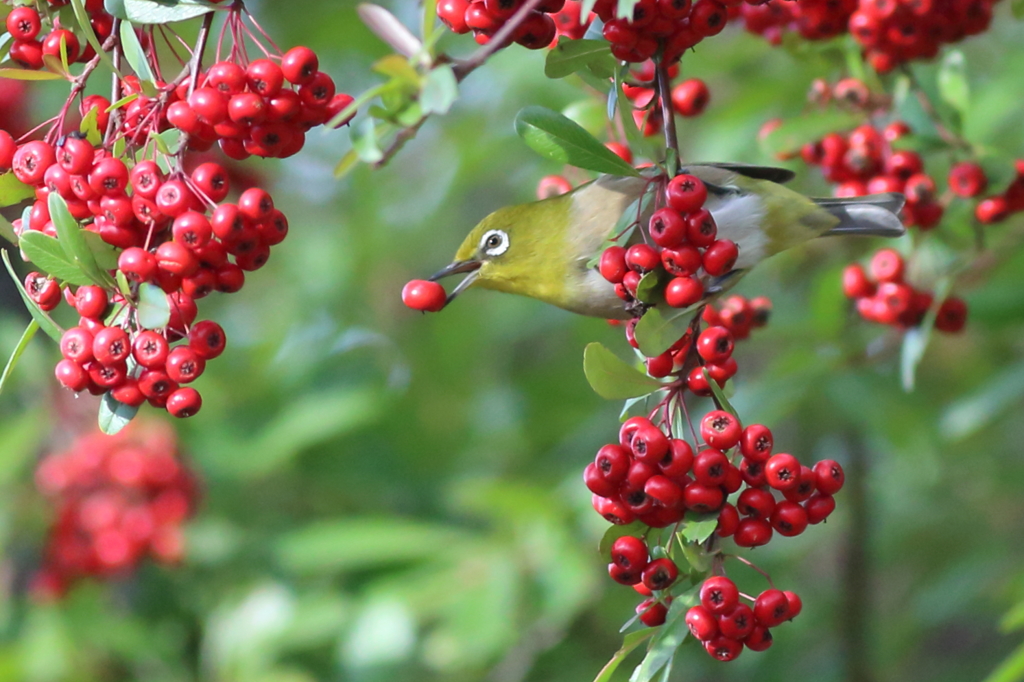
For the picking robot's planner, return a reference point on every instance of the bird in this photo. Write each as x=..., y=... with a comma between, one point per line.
x=546, y=249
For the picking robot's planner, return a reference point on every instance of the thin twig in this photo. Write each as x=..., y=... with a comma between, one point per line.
x=196, y=63
x=401, y=138
x=664, y=87
x=466, y=66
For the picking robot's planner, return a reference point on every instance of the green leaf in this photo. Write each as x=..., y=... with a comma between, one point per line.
x=7, y=231
x=655, y=333
x=114, y=415
x=720, y=399
x=794, y=133
x=123, y=102
x=555, y=137
x=637, y=528
x=105, y=254
x=952, y=80
x=133, y=51
x=90, y=128
x=1011, y=669
x=667, y=639
x=26, y=338
x=349, y=161
x=569, y=56
x=629, y=643
x=90, y=36
x=46, y=253
x=915, y=340
x=647, y=289
x=612, y=378
x=440, y=90
x=399, y=70
x=169, y=141
x=699, y=527
x=627, y=407
x=72, y=239
x=46, y=323
x=364, y=142
x=13, y=191
x=154, y=309
x=26, y=75
x=1017, y=8
x=162, y=12
x=587, y=113
x=116, y=8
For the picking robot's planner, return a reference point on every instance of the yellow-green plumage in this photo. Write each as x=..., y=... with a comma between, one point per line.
x=541, y=249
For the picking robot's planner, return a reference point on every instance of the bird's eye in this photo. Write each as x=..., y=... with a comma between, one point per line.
x=494, y=242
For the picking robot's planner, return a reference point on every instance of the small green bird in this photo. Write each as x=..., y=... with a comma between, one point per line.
x=542, y=249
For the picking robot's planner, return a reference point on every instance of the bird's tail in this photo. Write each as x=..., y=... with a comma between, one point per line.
x=876, y=215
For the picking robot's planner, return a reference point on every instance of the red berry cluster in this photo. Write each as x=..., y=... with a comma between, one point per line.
x=681, y=245
x=29, y=47
x=689, y=98
x=883, y=295
x=812, y=19
x=117, y=499
x=864, y=161
x=655, y=479
x=968, y=180
x=896, y=31
x=539, y=29
x=666, y=28
x=250, y=109
x=724, y=625
x=179, y=236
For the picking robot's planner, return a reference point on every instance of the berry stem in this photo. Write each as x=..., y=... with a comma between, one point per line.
x=754, y=566
x=664, y=88
x=196, y=63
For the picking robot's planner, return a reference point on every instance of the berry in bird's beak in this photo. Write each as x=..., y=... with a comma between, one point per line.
x=468, y=266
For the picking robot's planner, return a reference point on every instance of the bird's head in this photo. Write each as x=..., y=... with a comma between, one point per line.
x=517, y=249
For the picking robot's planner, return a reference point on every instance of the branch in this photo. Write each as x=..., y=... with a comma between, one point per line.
x=196, y=62
x=401, y=138
x=664, y=87
x=466, y=66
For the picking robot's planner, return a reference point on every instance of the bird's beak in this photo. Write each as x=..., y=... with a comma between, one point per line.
x=469, y=266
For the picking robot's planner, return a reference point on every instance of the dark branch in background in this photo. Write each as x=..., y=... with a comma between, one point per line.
x=466, y=66
x=664, y=88
x=856, y=571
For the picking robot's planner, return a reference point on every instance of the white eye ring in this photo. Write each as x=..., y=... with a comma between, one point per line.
x=494, y=242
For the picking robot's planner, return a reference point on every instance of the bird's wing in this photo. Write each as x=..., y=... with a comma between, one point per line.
x=718, y=173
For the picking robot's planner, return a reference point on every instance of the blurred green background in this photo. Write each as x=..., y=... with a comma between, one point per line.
x=396, y=496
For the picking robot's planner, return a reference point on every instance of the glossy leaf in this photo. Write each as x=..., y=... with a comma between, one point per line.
x=133, y=51
x=46, y=253
x=46, y=323
x=720, y=399
x=952, y=80
x=613, y=378
x=90, y=36
x=440, y=90
x=629, y=643
x=154, y=12
x=699, y=527
x=114, y=415
x=14, y=191
x=26, y=75
x=569, y=56
x=105, y=254
x=154, y=310
x=89, y=127
x=26, y=338
x=647, y=290
x=72, y=239
x=7, y=231
x=656, y=332
x=555, y=137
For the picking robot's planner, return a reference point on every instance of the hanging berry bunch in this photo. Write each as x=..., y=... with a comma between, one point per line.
x=124, y=226
x=116, y=501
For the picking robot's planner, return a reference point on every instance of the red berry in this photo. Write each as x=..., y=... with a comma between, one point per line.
x=31, y=161
x=192, y=229
x=652, y=613
x=828, y=476
x=424, y=295
x=738, y=623
x=710, y=468
x=184, y=402
x=728, y=521
x=176, y=258
x=150, y=349
x=819, y=507
x=683, y=292
x=752, y=532
x=212, y=180
x=648, y=443
x=209, y=104
x=715, y=345
x=613, y=511
x=720, y=430
x=720, y=257
x=702, y=623
x=663, y=491
x=184, y=365
x=554, y=186
x=782, y=471
x=759, y=639
x=719, y=595
x=642, y=258
x=686, y=193
x=137, y=264
x=630, y=552
x=596, y=482
x=756, y=443
x=23, y=23
x=701, y=229
x=299, y=65
x=71, y=375
x=952, y=315
x=111, y=345
x=756, y=503
x=678, y=460
x=789, y=518
x=264, y=77
x=771, y=608
x=887, y=266
x=856, y=283
x=992, y=210
x=660, y=574
x=52, y=44
x=796, y=605
x=91, y=301
x=667, y=228
x=613, y=462
x=76, y=345
x=690, y=97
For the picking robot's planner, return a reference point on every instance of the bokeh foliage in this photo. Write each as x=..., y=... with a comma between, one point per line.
x=393, y=496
